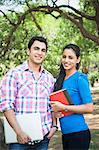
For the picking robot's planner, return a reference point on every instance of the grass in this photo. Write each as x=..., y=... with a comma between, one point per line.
x=95, y=140
x=56, y=142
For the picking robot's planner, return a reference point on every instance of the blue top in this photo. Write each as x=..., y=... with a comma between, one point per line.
x=78, y=88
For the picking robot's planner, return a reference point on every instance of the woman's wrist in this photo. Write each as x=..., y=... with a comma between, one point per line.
x=66, y=108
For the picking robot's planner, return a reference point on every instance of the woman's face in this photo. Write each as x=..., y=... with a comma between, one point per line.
x=69, y=59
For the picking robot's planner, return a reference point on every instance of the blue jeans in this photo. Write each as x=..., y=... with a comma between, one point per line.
x=42, y=145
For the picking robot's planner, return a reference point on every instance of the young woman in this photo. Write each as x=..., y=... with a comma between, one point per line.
x=75, y=132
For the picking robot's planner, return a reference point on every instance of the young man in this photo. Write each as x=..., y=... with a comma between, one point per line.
x=26, y=89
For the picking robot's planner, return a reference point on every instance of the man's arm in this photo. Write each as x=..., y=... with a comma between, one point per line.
x=8, y=92
x=54, y=126
x=11, y=118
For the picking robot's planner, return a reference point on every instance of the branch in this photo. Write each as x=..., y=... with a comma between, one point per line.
x=34, y=19
x=12, y=11
x=75, y=16
x=54, y=3
x=20, y=19
x=8, y=41
x=78, y=12
x=96, y=6
x=78, y=23
x=56, y=17
x=84, y=32
x=11, y=23
x=48, y=10
x=9, y=38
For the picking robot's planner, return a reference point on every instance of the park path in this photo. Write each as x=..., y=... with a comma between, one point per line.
x=92, y=120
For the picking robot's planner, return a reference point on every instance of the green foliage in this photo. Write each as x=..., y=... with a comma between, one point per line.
x=59, y=32
x=93, y=77
x=87, y=6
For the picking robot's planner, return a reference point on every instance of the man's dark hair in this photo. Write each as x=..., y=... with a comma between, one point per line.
x=37, y=38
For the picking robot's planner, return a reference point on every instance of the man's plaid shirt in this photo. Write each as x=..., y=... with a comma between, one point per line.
x=20, y=91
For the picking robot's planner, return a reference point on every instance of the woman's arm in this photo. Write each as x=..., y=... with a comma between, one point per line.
x=84, y=108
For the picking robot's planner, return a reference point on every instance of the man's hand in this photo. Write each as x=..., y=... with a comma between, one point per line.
x=52, y=132
x=23, y=137
x=58, y=114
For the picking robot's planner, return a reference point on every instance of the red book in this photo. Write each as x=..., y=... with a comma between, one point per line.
x=63, y=97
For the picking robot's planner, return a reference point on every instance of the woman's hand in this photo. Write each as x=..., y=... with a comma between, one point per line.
x=57, y=106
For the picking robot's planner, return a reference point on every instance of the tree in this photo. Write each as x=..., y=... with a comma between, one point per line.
x=86, y=19
x=50, y=21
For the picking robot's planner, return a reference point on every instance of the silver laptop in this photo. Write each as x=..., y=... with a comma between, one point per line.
x=29, y=123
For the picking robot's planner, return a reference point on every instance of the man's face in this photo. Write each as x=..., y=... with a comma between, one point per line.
x=37, y=52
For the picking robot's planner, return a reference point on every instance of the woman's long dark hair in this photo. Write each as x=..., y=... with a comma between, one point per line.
x=59, y=82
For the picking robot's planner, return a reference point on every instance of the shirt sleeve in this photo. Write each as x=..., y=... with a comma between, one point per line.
x=84, y=89
x=8, y=92
x=52, y=85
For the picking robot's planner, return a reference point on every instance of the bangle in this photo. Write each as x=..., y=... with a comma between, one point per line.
x=55, y=127
x=66, y=110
